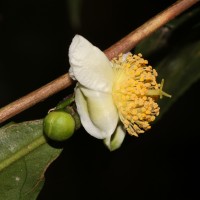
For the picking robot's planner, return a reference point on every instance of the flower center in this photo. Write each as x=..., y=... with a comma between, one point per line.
x=134, y=92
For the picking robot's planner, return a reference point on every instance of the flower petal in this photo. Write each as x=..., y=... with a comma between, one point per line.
x=97, y=112
x=114, y=141
x=89, y=65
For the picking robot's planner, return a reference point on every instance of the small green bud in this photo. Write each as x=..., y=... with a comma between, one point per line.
x=59, y=125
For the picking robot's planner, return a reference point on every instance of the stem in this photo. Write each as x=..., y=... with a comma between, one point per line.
x=35, y=97
x=66, y=102
x=132, y=39
x=22, y=152
x=123, y=46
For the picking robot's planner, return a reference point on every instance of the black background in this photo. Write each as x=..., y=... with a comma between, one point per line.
x=161, y=164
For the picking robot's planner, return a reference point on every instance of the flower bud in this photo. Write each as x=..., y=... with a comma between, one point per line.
x=59, y=125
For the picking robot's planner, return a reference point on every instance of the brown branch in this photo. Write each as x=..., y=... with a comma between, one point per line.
x=124, y=45
x=133, y=38
x=34, y=97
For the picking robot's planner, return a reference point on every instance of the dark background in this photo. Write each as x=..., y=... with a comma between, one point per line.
x=161, y=164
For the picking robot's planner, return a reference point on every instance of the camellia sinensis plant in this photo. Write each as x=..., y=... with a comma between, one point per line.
x=116, y=93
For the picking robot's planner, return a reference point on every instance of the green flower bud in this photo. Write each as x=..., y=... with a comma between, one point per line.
x=59, y=125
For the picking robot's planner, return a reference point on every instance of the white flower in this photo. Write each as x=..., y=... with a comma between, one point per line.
x=112, y=96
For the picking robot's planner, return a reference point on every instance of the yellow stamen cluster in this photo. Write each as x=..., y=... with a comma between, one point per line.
x=134, y=92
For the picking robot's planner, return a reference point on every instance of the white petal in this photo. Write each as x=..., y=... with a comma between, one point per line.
x=89, y=65
x=114, y=141
x=97, y=112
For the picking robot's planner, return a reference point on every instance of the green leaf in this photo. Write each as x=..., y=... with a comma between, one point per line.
x=174, y=51
x=180, y=70
x=24, y=157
